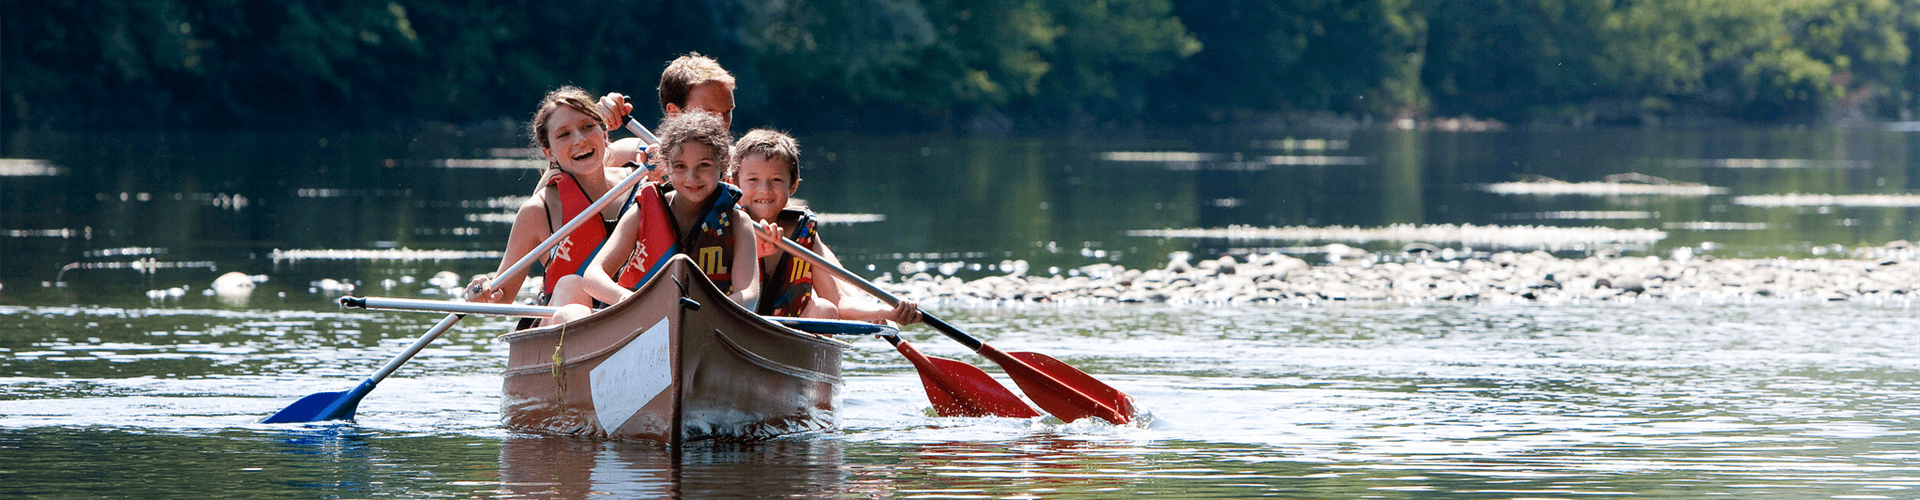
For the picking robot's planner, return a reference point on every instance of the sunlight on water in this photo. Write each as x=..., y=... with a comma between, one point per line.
x=492, y=163
x=129, y=373
x=831, y=218
x=1771, y=163
x=1582, y=215
x=1600, y=189
x=26, y=167
x=1650, y=400
x=1829, y=200
x=1495, y=236
x=1716, y=226
x=279, y=255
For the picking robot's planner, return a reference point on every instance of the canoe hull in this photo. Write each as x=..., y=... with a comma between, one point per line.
x=657, y=368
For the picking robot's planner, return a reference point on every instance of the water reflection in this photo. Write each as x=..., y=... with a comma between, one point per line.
x=340, y=205
x=563, y=467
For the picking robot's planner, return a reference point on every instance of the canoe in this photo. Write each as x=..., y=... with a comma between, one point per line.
x=677, y=362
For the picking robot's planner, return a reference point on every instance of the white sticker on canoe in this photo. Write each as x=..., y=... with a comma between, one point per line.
x=632, y=377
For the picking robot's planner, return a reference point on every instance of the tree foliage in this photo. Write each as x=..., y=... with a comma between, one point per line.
x=936, y=63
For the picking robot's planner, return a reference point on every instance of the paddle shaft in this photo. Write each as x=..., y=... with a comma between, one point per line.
x=1059, y=389
x=343, y=403
x=589, y=214
x=645, y=135
x=448, y=306
x=840, y=272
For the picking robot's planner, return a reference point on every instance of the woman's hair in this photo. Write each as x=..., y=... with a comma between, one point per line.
x=568, y=96
x=685, y=73
x=696, y=127
x=769, y=144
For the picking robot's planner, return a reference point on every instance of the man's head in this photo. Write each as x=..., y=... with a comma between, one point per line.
x=697, y=82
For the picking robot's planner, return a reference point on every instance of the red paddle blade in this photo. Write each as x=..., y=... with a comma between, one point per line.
x=1062, y=390
x=1100, y=391
x=961, y=390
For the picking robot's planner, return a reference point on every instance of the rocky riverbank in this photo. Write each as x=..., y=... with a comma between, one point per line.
x=1423, y=273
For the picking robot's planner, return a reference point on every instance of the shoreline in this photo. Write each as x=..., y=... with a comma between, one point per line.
x=1887, y=272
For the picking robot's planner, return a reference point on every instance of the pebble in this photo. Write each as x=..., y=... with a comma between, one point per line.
x=1424, y=273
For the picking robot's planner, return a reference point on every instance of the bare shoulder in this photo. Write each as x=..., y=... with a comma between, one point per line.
x=622, y=151
x=533, y=212
x=537, y=201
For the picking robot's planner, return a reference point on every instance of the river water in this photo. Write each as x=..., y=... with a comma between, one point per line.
x=121, y=374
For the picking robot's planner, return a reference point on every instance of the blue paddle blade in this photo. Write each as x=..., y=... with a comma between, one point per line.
x=323, y=406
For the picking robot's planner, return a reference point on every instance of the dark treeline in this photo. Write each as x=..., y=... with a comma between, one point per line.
x=951, y=65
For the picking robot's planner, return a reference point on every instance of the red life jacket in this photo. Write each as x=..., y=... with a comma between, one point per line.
x=709, y=242
x=577, y=249
x=655, y=241
x=788, y=289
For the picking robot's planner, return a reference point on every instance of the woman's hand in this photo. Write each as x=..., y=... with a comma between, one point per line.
x=617, y=109
x=478, y=291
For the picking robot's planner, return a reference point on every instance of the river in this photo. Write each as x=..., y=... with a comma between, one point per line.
x=122, y=373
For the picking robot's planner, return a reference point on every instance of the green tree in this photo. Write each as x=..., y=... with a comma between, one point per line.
x=1299, y=55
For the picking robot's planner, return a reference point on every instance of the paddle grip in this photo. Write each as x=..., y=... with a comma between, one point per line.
x=352, y=302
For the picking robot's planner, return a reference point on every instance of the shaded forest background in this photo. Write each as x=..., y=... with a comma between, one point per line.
x=933, y=65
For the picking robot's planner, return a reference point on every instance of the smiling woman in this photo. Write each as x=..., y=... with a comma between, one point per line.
x=570, y=130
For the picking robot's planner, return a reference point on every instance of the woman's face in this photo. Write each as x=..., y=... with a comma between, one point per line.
x=575, y=141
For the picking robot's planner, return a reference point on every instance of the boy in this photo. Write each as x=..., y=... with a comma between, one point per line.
x=699, y=208
x=766, y=166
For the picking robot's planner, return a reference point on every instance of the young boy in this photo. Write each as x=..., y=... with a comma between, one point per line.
x=766, y=166
x=699, y=208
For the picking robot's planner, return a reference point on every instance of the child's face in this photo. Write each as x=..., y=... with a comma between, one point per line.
x=695, y=172
x=765, y=185
x=712, y=97
x=575, y=141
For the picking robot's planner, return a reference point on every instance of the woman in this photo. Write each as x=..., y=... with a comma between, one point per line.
x=571, y=131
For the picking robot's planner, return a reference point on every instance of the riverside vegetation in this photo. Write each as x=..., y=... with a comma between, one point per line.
x=995, y=65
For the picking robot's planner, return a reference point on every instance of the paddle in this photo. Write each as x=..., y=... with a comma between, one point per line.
x=448, y=306
x=961, y=390
x=818, y=326
x=957, y=389
x=341, y=405
x=1059, y=389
